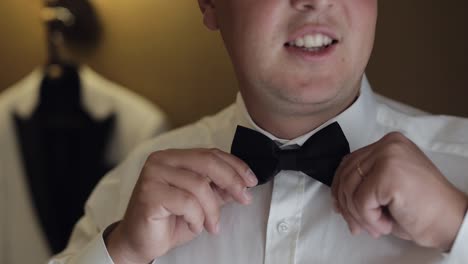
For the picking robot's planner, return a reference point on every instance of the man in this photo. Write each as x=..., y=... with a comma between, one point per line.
x=183, y=198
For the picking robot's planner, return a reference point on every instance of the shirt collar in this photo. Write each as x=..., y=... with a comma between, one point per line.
x=357, y=121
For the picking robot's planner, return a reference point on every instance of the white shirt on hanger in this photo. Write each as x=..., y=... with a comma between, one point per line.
x=21, y=238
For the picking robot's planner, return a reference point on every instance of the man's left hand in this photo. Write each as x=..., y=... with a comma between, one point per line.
x=391, y=187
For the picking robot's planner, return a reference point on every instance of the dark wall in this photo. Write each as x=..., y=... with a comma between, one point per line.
x=421, y=54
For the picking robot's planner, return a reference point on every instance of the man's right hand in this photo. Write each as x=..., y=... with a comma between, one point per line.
x=178, y=194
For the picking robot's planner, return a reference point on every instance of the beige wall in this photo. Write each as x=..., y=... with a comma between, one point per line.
x=160, y=50
x=21, y=45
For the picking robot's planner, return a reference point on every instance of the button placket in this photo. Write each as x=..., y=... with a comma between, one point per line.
x=283, y=220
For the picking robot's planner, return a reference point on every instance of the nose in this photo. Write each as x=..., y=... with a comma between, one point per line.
x=306, y=5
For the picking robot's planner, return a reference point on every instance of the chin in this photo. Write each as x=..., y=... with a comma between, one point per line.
x=312, y=94
x=315, y=99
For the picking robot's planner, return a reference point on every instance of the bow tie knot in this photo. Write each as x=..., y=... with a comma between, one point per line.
x=318, y=157
x=287, y=159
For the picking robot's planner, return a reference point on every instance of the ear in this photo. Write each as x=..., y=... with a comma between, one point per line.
x=207, y=7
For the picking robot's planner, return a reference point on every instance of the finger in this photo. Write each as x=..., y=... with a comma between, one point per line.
x=350, y=180
x=344, y=168
x=223, y=196
x=357, y=222
x=350, y=164
x=353, y=226
x=350, y=183
x=336, y=183
x=240, y=166
x=370, y=208
x=358, y=155
x=174, y=201
x=346, y=188
x=204, y=162
x=399, y=232
x=342, y=176
x=336, y=207
x=197, y=185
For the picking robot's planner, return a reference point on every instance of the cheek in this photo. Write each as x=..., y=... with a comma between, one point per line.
x=259, y=23
x=257, y=38
x=360, y=16
x=365, y=17
x=362, y=19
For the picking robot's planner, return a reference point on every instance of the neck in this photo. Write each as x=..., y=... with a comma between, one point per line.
x=294, y=123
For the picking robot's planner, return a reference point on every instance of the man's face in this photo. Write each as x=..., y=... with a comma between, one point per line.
x=297, y=55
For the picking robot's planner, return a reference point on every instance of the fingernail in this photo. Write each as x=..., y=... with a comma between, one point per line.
x=251, y=177
x=195, y=230
x=217, y=228
x=247, y=195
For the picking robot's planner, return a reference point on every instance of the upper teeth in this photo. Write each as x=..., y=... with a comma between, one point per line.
x=312, y=41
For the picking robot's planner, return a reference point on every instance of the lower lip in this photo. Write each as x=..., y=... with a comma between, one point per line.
x=311, y=55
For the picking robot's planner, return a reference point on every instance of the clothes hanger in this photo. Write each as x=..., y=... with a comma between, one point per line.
x=62, y=146
x=60, y=87
x=56, y=19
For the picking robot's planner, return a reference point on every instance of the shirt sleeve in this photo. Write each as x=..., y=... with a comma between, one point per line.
x=84, y=248
x=459, y=252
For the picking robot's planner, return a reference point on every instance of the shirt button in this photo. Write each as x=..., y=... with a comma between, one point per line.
x=283, y=227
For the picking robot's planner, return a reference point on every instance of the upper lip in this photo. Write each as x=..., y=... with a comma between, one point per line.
x=310, y=30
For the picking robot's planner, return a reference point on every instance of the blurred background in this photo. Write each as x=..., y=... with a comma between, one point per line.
x=161, y=51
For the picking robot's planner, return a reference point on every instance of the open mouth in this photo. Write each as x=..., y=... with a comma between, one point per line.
x=312, y=42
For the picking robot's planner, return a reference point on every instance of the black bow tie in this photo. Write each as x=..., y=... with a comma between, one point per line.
x=318, y=157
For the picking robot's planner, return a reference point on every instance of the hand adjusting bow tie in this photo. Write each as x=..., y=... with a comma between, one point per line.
x=318, y=157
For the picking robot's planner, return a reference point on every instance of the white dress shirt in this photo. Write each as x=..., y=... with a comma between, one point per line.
x=290, y=219
x=21, y=238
